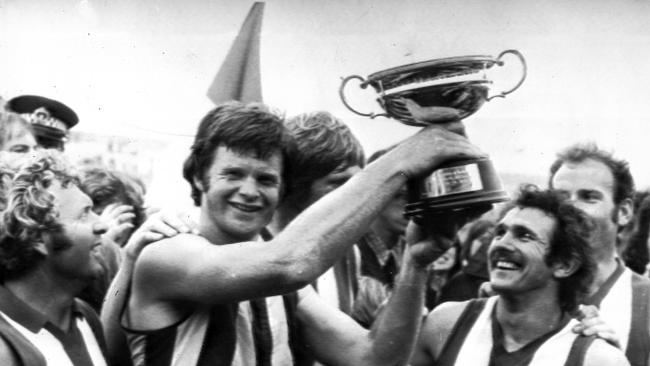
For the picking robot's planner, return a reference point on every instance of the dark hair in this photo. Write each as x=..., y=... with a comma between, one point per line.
x=569, y=242
x=635, y=234
x=323, y=143
x=30, y=211
x=476, y=230
x=244, y=128
x=105, y=186
x=623, y=181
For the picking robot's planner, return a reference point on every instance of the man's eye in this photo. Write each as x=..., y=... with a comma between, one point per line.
x=499, y=232
x=19, y=149
x=232, y=175
x=527, y=237
x=590, y=196
x=268, y=181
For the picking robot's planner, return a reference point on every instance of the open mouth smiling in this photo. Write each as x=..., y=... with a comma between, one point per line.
x=506, y=261
x=506, y=265
x=245, y=207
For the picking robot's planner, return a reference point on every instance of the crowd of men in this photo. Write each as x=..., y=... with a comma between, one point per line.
x=301, y=254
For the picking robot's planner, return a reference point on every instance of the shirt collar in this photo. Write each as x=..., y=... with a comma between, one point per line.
x=25, y=315
x=378, y=247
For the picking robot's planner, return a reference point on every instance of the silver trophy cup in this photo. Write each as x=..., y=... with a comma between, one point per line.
x=441, y=91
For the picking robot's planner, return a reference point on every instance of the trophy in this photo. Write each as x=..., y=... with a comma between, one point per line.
x=441, y=91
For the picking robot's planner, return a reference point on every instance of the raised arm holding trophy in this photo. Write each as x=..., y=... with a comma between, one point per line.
x=441, y=91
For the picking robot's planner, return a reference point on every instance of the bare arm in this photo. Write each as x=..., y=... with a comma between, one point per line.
x=197, y=271
x=158, y=226
x=338, y=341
x=435, y=332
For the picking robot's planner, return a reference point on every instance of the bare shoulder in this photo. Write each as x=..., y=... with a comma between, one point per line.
x=444, y=316
x=176, y=244
x=170, y=251
x=436, y=329
x=165, y=259
x=7, y=354
x=601, y=353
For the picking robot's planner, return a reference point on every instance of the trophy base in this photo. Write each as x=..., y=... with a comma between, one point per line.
x=456, y=186
x=456, y=202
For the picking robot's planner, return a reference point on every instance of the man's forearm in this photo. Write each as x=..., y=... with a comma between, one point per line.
x=114, y=302
x=394, y=333
x=323, y=232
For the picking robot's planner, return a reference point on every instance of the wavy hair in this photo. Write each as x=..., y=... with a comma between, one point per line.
x=323, y=143
x=30, y=211
x=569, y=242
x=106, y=186
x=245, y=128
x=623, y=180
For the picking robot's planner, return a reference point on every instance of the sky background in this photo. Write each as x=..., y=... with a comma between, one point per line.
x=142, y=68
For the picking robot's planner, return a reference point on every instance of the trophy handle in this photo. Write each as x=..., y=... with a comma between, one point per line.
x=345, y=101
x=523, y=76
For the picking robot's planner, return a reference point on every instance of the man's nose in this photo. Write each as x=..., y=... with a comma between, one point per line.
x=249, y=188
x=99, y=227
x=504, y=241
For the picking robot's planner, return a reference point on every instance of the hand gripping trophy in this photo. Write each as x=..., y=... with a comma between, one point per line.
x=441, y=91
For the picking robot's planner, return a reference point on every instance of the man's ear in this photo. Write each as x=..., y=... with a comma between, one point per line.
x=565, y=269
x=625, y=211
x=198, y=183
x=41, y=246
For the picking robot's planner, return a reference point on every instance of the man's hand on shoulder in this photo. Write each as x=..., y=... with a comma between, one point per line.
x=592, y=324
x=160, y=225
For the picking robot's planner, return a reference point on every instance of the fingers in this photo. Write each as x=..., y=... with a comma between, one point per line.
x=414, y=233
x=114, y=210
x=179, y=222
x=170, y=224
x=149, y=237
x=424, y=248
x=592, y=324
x=486, y=290
x=125, y=217
x=602, y=331
x=161, y=227
x=586, y=311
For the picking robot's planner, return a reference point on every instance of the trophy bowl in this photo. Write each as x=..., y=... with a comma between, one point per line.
x=436, y=92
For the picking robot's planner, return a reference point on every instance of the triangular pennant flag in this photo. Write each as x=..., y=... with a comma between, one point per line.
x=239, y=75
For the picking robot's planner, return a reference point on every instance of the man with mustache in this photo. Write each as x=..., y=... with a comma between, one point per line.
x=540, y=267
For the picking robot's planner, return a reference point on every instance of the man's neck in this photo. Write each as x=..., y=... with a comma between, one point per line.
x=388, y=237
x=214, y=235
x=526, y=317
x=49, y=297
x=605, y=267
